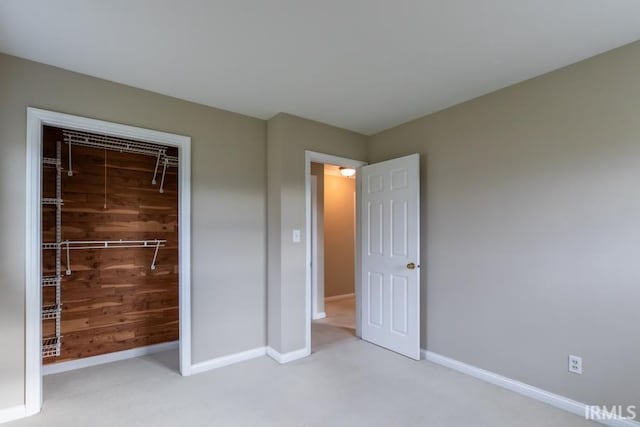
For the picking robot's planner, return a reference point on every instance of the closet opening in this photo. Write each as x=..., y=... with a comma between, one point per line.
x=110, y=261
x=108, y=237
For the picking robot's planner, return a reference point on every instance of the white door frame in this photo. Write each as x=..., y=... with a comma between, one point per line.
x=312, y=156
x=317, y=291
x=36, y=118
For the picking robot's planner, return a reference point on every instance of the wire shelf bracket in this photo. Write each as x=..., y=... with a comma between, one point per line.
x=51, y=346
x=50, y=161
x=52, y=201
x=51, y=281
x=51, y=311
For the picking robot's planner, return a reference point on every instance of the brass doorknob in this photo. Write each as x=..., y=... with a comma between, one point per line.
x=411, y=266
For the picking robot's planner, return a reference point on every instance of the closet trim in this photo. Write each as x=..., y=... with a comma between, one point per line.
x=36, y=119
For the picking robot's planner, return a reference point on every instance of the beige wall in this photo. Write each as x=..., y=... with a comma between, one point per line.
x=287, y=139
x=228, y=205
x=531, y=228
x=339, y=235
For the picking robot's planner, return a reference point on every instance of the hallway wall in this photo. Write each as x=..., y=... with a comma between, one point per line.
x=339, y=235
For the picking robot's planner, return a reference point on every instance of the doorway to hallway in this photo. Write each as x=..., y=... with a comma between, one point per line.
x=386, y=257
x=333, y=257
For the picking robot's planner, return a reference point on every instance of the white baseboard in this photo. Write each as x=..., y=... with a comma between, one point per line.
x=527, y=390
x=287, y=357
x=227, y=360
x=13, y=413
x=318, y=316
x=86, y=362
x=340, y=297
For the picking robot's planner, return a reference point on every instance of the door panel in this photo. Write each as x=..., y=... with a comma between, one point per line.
x=399, y=228
x=390, y=237
x=400, y=299
x=375, y=300
x=375, y=228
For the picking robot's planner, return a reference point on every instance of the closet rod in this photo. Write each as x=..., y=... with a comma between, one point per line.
x=104, y=244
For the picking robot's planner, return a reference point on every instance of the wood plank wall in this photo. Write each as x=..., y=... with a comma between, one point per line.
x=112, y=301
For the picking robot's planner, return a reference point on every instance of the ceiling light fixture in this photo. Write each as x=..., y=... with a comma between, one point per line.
x=347, y=171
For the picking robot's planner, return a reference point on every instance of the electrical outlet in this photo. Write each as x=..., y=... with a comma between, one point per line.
x=575, y=364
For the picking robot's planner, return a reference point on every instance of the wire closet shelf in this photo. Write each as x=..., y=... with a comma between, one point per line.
x=106, y=142
x=69, y=245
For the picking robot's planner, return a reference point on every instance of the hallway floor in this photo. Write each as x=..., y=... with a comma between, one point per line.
x=339, y=325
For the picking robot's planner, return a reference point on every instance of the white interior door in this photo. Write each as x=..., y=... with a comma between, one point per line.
x=390, y=297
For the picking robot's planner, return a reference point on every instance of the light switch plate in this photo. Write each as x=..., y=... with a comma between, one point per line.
x=296, y=236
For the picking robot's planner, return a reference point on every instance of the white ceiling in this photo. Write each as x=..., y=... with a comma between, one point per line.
x=364, y=65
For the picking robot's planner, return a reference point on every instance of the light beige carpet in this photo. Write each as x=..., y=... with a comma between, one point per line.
x=345, y=382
